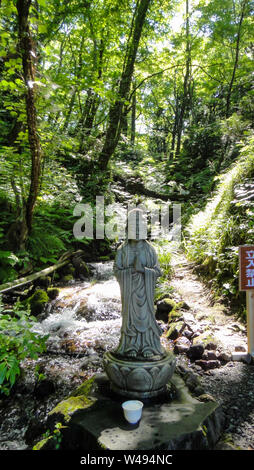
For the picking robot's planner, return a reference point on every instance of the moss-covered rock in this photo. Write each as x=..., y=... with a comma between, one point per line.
x=79, y=399
x=42, y=444
x=37, y=301
x=84, y=389
x=65, y=409
x=53, y=292
x=67, y=278
x=175, y=330
x=205, y=339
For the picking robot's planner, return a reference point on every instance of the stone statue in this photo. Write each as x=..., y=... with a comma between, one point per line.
x=136, y=268
x=139, y=367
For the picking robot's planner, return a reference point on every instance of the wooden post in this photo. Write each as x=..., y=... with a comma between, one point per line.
x=250, y=320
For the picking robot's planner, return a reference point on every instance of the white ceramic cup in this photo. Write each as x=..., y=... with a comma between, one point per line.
x=132, y=410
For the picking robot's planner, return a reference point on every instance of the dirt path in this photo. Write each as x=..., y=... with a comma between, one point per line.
x=225, y=328
x=232, y=383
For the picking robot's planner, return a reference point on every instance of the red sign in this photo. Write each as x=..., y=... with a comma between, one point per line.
x=246, y=267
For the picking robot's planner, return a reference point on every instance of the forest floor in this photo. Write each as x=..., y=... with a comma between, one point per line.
x=232, y=383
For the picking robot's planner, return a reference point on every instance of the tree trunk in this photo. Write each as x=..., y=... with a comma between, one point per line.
x=26, y=48
x=186, y=84
x=116, y=110
x=238, y=39
x=133, y=118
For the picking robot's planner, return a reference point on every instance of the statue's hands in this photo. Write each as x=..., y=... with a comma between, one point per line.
x=138, y=266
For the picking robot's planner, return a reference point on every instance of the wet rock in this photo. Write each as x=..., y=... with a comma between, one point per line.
x=44, y=388
x=195, y=351
x=37, y=301
x=81, y=269
x=34, y=430
x=53, y=292
x=207, y=365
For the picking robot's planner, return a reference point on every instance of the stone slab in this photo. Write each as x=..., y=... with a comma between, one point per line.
x=184, y=423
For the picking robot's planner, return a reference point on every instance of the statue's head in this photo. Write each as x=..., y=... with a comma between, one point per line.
x=136, y=225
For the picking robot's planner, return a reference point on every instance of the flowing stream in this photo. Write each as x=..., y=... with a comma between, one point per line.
x=86, y=316
x=83, y=322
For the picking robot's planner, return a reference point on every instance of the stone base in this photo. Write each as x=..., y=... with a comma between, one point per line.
x=137, y=378
x=180, y=422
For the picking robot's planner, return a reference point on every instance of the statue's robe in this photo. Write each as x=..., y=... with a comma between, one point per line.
x=140, y=332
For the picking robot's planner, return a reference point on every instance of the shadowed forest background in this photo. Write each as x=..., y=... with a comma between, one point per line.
x=108, y=97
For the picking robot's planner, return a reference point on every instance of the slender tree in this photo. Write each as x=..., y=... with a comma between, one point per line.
x=19, y=232
x=116, y=115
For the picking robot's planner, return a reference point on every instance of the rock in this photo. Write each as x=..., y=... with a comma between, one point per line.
x=79, y=399
x=192, y=381
x=207, y=365
x=240, y=348
x=206, y=339
x=44, y=388
x=90, y=361
x=211, y=346
x=206, y=397
x=180, y=349
x=198, y=391
x=188, y=333
x=175, y=330
x=185, y=306
x=67, y=278
x=209, y=356
x=34, y=430
x=195, y=351
x=165, y=306
x=37, y=301
x=224, y=356
x=53, y=292
x=101, y=425
x=80, y=267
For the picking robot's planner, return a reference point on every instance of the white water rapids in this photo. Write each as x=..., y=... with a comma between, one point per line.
x=86, y=316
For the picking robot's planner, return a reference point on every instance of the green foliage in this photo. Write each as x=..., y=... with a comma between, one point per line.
x=7, y=262
x=17, y=342
x=214, y=234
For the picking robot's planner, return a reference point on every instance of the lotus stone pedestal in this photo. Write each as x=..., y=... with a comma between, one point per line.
x=136, y=378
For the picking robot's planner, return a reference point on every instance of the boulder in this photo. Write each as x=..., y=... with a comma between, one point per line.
x=196, y=351
x=207, y=365
x=37, y=301
x=165, y=306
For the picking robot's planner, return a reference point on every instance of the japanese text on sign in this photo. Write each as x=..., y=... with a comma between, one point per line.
x=246, y=271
